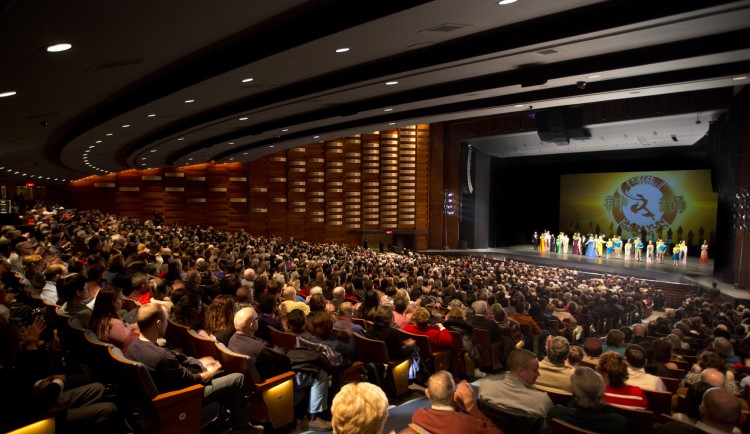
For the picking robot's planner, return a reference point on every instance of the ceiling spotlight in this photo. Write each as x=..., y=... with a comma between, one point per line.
x=581, y=85
x=342, y=50
x=247, y=80
x=391, y=83
x=58, y=48
x=9, y=93
x=506, y=2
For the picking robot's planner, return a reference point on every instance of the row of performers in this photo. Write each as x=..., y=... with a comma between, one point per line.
x=596, y=246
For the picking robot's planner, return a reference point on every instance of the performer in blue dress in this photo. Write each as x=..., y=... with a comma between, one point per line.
x=591, y=246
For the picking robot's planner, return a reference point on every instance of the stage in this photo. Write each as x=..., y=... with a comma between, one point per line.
x=692, y=272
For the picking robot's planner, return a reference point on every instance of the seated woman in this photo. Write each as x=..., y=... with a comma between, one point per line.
x=439, y=336
x=106, y=322
x=219, y=323
x=187, y=310
x=321, y=330
x=614, y=370
x=711, y=359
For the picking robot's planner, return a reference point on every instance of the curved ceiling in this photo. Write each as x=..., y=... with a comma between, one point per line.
x=167, y=83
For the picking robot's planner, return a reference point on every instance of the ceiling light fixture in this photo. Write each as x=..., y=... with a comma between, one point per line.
x=152, y=115
x=230, y=143
x=58, y=48
x=506, y=2
x=316, y=137
x=243, y=119
x=518, y=105
x=247, y=80
x=188, y=101
x=109, y=134
x=742, y=77
x=391, y=83
x=9, y=93
x=98, y=141
x=594, y=76
x=285, y=130
x=126, y=126
x=388, y=109
x=181, y=138
x=342, y=50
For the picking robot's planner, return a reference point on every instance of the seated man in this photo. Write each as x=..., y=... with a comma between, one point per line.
x=588, y=411
x=515, y=391
x=74, y=294
x=720, y=412
x=359, y=408
x=273, y=361
x=172, y=371
x=553, y=372
x=635, y=356
x=442, y=417
x=344, y=322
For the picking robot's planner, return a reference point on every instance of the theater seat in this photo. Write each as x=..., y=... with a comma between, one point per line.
x=511, y=420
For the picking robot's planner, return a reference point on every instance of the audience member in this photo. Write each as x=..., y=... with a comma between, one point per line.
x=453, y=408
x=515, y=390
x=553, y=372
x=359, y=408
x=614, y=370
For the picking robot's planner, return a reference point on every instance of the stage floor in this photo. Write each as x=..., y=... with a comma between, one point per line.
x=693, y=271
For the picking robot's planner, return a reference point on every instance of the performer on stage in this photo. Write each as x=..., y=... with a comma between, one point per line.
x=577, y=243
x=600, y=245
x=552, y=242
x=535, y=240
x=610, y=247
x=591, y=246
x=661, y=249
x=638, y=249
x=558, y=244
x=628, y=248
x=704, y=252
x=650, y=252
x=542, y=242
x=676, y=254
x=618, y=247
x=565, y=242
x=683, y=252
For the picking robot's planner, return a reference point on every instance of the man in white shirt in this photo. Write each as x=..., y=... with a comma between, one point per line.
x=635, y=357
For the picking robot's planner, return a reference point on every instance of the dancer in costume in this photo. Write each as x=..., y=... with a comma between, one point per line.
x=683, y=252
x=577, y=243
x=542, y=242
x=650, y=252
x=676, y=254
x=600, y=246
x=638, y=249
x=704, y=252
x=618, y=247
x=591, y=246
x=610, y=247
x=661, y=249
x=628, y=249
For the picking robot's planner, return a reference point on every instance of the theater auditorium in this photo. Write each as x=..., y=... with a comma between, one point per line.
x=514, y=216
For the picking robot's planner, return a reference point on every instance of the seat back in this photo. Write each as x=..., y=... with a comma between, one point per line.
x=178, y=338
x=370, y=350
x=281, y=339
x=459, y=358
x=271, y=400
x=557, y=396
x=659, y=402
x=641, y=421
x=672, y=384
x=434, y=360
x=202, y=347
x=374, y=352
x=178, y=411
x=361, y=322
x=561, y=427
x=511, y=420
x=482, y=341
x=101, y=364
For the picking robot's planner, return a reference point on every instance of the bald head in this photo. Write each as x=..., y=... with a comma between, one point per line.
x=148, y=315
x=713, y=376
x=289, y=293
x=440, y=387
x=244, y=321
x=720, y=409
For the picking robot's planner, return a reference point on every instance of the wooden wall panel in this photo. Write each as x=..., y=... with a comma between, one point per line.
x=331, y=191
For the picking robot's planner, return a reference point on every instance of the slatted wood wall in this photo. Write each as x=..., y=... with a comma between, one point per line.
x=323, y=192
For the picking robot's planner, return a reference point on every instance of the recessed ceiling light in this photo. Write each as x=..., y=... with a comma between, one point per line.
x=109, y=134
x=285, y=130
x=594, y=76
x=391, y=83
x=742, y=77
x=506, y=2
x=92, y=146
x=388, y=109
x=244, y=153
x=58, y=48
x=230, y=143
x=188, y=101
x=271, y=146
x=153, y=150
x=392, y=123
x=342, y=50
x=243, y=119
x=316, y=137
x=98, y=141
x=518, y=105
x=181, y=138
x=231, y=159
x=152, y=115
x=9, y=93
x=126, y=126
x=190, y=159
x=247, y=80
x=143, y=158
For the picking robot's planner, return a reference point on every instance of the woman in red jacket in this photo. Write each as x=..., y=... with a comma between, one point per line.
x=440, y=337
